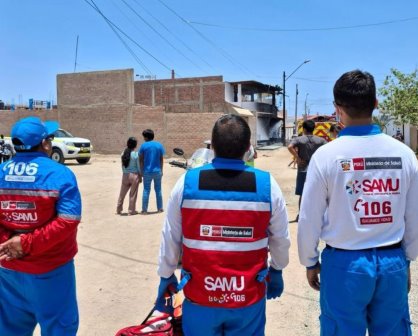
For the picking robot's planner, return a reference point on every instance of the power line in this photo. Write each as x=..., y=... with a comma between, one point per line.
x=112, y=26
x=160, y=35
x=313, y=80
x=300, y=78
x=220, y=50
x=144, y=35
x=302, y=29
x=174, y=35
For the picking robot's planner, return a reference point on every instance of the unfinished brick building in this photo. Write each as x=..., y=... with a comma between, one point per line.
x=109, y=106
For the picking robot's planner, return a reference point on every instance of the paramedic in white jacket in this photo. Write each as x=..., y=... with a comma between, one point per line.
x=367, y=185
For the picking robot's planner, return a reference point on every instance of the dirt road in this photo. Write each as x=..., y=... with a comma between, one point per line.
x=117, y=260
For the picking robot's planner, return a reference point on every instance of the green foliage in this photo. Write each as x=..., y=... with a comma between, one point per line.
x=382, y=119
x=400, y=96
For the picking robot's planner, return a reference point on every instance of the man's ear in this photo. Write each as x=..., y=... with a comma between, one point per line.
x=376, y=104
x=338, y=111
x=46, y=145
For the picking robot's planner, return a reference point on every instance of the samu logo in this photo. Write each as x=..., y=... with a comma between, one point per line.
x=353, y=187
x=225, y=283
x=20, y=217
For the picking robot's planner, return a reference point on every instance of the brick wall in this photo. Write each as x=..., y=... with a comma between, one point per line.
x=99, y=87
x=8, y=118
x=188, y=131
x=144, y=117
x=106, y=126
x=182, y=95
x=99, y=106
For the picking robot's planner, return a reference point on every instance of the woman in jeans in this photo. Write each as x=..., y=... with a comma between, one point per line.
x=131, y=177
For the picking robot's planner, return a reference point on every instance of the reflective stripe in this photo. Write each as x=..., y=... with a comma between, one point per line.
x=48, y=193
x=226, y=205
x=67, y=216
x=225, y=246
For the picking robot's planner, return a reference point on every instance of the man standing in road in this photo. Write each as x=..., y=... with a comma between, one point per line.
x=40, y=210
x=225, y=216
x=302, y=148
x=151, y=160
x=367, y=182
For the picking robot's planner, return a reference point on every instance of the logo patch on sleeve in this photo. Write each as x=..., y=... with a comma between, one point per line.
x=17, y=205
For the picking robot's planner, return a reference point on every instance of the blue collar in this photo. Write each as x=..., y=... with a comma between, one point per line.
x=371, y=129
x=226, y=161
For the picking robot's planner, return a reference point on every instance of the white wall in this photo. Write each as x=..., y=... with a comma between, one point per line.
x=229, y=93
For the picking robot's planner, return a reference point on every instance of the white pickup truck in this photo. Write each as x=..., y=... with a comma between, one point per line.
x=65, y=146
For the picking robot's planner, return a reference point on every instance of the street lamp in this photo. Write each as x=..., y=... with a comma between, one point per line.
x=284, y=100
x=306, y=100
x=296, y=111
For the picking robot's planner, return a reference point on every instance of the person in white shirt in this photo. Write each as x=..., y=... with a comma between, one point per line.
x=360, y=199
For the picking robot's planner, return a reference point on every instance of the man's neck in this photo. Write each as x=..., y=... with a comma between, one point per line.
x=358, y=122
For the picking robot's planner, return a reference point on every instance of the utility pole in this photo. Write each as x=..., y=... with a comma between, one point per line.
x=76, y=53
x=306, y=99
x=284, y=110
x=296, y=111
x=284, y=100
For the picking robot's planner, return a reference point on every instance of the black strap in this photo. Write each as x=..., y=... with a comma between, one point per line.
x=387, y=247
x=148, y=316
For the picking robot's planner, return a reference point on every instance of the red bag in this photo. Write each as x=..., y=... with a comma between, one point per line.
x=157, y=326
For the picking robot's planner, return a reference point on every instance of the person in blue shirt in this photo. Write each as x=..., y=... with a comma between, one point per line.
x=151, y=159
x=131, y=177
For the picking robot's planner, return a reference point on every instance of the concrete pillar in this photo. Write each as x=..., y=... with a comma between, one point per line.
x=201, y=98
x=131, y=99
x=153, y=94
x=239, y=95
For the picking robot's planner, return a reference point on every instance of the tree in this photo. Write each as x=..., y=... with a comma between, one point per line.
x=400, y=96
x=382, y=119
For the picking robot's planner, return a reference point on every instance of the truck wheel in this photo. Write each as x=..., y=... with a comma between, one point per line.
x=83, y=160
x=57, y=155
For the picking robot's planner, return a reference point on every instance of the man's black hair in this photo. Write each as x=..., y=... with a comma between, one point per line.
x=148, y=134
x=309, y=126
x=355, y=91
x=16, y=143
x=231, y=137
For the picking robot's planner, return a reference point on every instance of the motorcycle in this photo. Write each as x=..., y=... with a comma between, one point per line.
x=199, y=158
x=6, y=151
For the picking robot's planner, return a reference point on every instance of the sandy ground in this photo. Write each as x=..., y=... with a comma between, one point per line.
x=117, y=260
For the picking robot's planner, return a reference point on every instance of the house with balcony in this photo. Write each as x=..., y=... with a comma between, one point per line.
x=260, y=100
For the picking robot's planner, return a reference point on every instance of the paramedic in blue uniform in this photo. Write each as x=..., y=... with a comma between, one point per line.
x=367, y=184
x=40, y=211
x=225, y=217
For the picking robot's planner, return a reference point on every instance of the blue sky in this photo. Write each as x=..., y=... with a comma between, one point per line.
x=38, y=40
